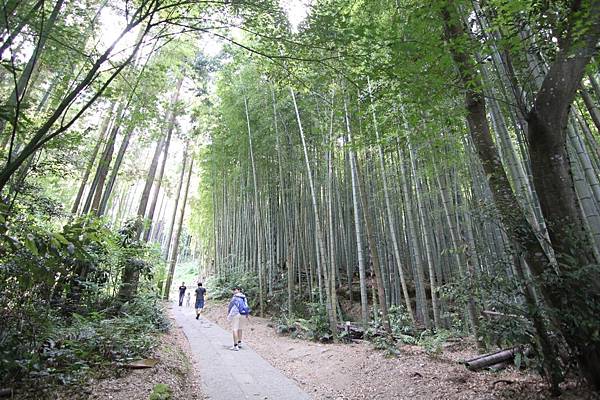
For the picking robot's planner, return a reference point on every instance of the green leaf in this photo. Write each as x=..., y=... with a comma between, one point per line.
x=518, y=360
x=60, y=238
x=30, y=244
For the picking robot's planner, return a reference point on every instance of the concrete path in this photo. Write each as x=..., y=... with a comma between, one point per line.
x=227, y=374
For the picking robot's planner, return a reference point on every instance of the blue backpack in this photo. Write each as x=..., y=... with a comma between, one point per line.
x=242, y=306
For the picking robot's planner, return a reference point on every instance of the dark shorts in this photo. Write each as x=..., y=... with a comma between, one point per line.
x=199, y=303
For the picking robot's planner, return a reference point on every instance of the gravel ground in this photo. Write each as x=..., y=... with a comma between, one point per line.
x=357, y=371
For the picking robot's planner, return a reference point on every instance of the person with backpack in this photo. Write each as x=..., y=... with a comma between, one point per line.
x=238, y=312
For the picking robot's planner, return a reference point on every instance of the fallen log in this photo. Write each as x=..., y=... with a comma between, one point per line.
x=508, y=382
x=141, y=364
x=491, y=359
x=352, y=331
x=499, y=366
x=500, y=314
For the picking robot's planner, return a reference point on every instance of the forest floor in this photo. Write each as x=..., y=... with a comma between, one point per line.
x=174, y=368
x=357, y=371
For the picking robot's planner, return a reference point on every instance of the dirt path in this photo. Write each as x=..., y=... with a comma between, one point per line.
x=227, y=374
x=357, y=371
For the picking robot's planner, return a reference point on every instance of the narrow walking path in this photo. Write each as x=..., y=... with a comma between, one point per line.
x=228, y=374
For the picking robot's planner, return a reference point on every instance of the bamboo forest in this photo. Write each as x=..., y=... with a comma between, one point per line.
x=375, y=199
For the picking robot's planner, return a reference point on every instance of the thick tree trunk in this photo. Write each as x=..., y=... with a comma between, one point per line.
x=547, y=134
x=554, y=184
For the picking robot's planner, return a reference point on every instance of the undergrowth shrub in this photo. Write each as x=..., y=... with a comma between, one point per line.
x=161, y=391
x=507, y=327
x=401, y=324
x=385, y=344
x=433, y=342
x=70, y=349
x=60, y=316
x=221, y=287
x=316, y=327
x=312, y=326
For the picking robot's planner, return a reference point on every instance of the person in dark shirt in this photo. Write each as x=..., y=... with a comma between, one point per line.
x=200, y=292
x=181, y=293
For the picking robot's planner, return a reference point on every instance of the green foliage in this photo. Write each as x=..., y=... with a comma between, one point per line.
x=69, y=349
x=221, y=286
x=311, y=323
x=315, y=327
x=285, y=325
x=60, y=316
x=509, y=327
x=432, y=342
x=161, y=391
x=385, y=344
x=401, y=323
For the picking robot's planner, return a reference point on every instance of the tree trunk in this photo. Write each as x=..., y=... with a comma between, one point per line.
x=21, y=86
x=7, y=11
x=177, y=235
x=257, y=218
x=17, y=30
x=170, y=127
x=42, y=135
x=90, y=165
x=358, y=227
x=421, y=298
x=318, y=232
x=428, y=251
x=390, y=217
x=114, y=172
x=553, y=182
x=370, y=230
x=167, y=250
x=95, y=194
x=141, y=211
